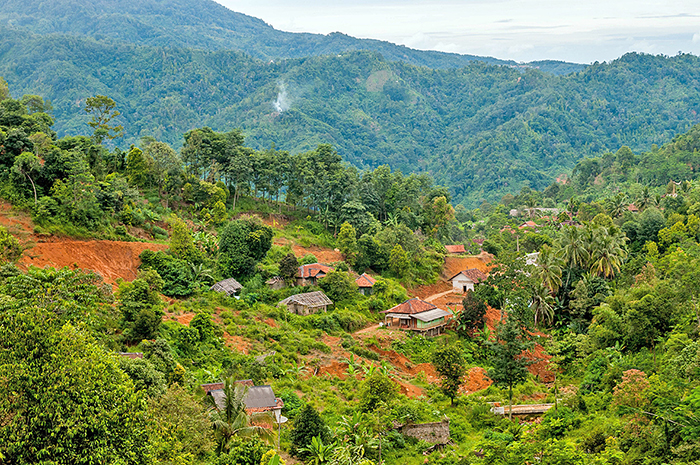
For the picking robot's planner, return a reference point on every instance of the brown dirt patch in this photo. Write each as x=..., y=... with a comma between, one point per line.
x=335, y=368
x=322, y=254
x=540, y=368
x=17, y=223
x=454, y=265
x=475, y=380
x=111, y=259
x=237, y=342
x=423, y=292
x=408, y=389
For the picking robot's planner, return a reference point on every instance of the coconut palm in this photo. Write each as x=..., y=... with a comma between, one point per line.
x=572, y=249
x=231, y=420
x=542, y=305
x=549, y=269
x=607, y=252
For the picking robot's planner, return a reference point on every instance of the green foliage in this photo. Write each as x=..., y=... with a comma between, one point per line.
x=10, y=248
x=176, y=273
x=450, y=364
x=105, y=419
x=181, y=242
x=242, y=244
x=472, y=315
x=307, y=426
x=339, y=286
x=377, y=389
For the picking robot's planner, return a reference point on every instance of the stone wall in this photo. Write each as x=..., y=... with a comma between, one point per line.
x=436, y=433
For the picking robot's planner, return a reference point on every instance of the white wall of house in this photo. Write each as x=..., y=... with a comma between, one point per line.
x=462, y=284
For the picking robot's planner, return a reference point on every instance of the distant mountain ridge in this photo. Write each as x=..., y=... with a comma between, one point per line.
x=207, y=25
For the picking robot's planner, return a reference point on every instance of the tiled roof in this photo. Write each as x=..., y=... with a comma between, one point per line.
x=365, y=280
x=312, y=270
x=411, y=306
x=308, y=299
x=528, y=224
x=257, y=398
x=459, y=248
x=474, y=274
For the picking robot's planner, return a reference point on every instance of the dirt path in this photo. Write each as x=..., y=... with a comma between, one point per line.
x=437, y=296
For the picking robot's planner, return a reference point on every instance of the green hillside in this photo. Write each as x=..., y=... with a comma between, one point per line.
x=482, y=130
x=207, y=25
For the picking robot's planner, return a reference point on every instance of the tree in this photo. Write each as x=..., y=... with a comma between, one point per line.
x=87, y=412
x=347, y=241
x=27, y=165
x=398, y=261
x=307, y=426
x=4, y=89
x=338, y=285
x=103, y=111
x=450, y=364
x=289, y=267
x=472, y=315
x=182, y=243
x=232, y=421
x=509, y=366
x=242, y=244
x=165, y=166
x=137, y=167
x=180, y=428
x=375, y=390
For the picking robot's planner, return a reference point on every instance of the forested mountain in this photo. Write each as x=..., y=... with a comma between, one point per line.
x=205, y=24
x=483, y=130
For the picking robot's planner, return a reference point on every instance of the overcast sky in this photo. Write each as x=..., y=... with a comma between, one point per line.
x=581, y=31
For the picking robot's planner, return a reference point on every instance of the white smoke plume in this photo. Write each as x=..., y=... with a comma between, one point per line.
x=283, y=102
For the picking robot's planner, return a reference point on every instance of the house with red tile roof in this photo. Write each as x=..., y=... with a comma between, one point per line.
x=466, y=280
x=458, y=248
x=308, y=275
x=418, y=316
x=365, y=283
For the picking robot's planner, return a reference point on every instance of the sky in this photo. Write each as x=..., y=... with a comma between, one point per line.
x=581, y=31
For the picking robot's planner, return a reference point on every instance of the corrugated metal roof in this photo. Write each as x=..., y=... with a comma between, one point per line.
x=229, y=286
x=431, y=315
x=308, y=299
x=473, y=274
x=365, y=280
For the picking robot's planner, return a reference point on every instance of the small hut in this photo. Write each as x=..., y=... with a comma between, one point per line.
x=229, y=286
x=465, y=280
x=276, y=283
x=307, y=303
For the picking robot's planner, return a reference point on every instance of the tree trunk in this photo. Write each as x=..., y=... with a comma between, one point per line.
x=510, y=402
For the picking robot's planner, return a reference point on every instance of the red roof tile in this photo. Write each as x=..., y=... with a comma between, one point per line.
x=411, y=306
x=365, y=280
x=474, y=274
x=312, y=270
x=459, y=248
x=528, y=224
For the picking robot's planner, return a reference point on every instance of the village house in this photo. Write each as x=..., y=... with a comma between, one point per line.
x=418, y=316
x=456, y=249
x=308, y=275
x=465, y=280
x=307, y=303
x=365, y=283
x=257, y=399
x=229, y=287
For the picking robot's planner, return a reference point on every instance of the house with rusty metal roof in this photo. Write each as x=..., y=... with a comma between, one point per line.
x=465, y=280
x=306, y=303
x=228, y=286
x=365, y=283
x=308, y=275
x=418, y=316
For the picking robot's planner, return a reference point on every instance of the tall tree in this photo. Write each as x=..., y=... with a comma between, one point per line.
x=103, y=110
x=509, y=366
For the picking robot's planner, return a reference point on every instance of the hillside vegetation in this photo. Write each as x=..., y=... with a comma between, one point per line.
x=481, y=130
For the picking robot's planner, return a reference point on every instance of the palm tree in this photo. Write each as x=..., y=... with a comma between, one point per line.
x=549, y=269
x=319, y=453
x=607, y=252
x=542, y=305
x=644, y=199
x=617, y=205
x=231, y=420
x=572, y=249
